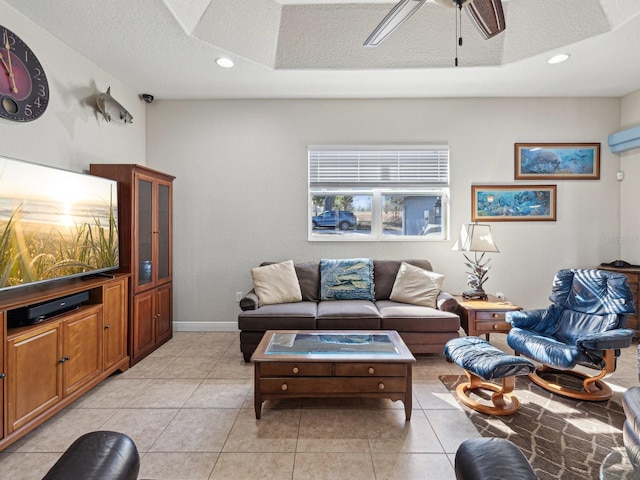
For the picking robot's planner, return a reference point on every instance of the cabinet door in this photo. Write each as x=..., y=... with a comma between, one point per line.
x=163, y=313
x=143, y=257
x=163, y=233
x=114, y=323
x=82, y=348
x=143, y=328
x=34, y=380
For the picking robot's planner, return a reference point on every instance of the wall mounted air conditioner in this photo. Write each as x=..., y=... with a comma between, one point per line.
x=625, y=140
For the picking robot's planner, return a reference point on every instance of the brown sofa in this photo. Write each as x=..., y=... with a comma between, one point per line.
x=423, y=329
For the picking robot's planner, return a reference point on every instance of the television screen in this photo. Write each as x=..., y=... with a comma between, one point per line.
x=54, y=224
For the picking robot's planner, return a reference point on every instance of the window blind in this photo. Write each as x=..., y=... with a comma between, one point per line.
x=391, y=167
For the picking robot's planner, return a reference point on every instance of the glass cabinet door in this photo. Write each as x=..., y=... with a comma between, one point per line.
x=144, y=234
x=163, y=270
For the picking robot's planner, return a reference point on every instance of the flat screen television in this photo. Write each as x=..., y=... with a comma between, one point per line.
x=54, y=224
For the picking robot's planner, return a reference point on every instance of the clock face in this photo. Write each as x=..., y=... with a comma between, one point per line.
x=24, y=91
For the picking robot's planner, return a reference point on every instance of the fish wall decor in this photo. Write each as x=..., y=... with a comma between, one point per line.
x=111, y=109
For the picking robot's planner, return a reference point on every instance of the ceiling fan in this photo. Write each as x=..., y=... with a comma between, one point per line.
x=487, y=15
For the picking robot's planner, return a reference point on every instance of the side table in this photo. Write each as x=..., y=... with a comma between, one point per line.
x=480, y=317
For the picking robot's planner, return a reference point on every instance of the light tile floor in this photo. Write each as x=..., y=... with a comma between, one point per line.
x=189, y=409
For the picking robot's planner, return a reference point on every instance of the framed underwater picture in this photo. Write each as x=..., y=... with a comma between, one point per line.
x=495, y=203
x=557, y=161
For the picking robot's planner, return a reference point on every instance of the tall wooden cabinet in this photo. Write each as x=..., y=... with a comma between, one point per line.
x=146, y=250
x=46, y=366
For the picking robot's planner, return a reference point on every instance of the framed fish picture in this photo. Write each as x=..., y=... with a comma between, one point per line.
x=557, y=161
x=495, y=203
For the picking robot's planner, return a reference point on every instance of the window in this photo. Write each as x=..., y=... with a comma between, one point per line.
x=381, y=193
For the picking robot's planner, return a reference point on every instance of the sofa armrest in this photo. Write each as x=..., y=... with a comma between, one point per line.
x=612, y=339
x=249, y=301
x=447, y=303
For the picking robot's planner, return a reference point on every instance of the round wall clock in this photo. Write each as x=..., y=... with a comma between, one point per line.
x=24, y=90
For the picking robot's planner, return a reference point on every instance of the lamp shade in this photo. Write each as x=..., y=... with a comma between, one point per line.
x=475, y=237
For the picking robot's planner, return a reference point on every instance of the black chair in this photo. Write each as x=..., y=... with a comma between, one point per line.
x=100, y=455
x=584, y=326
x=491, y=459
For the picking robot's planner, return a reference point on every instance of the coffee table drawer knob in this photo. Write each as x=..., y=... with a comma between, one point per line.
x=284, y=387
x=381, y=386
x=296, y=370
x=371, y=370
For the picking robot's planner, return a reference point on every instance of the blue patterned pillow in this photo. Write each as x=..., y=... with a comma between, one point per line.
x=346, y=279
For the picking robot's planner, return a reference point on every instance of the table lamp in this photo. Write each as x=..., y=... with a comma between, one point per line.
x=475, y=237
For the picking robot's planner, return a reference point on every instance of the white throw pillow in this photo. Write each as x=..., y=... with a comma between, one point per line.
x=416, y=285
x=276, y=283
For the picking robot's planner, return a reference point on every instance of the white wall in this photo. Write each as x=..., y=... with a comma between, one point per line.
x=70, y=134
x=629, y=192
x=240, y=194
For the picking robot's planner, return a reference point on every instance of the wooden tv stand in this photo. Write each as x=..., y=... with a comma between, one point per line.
x=46, y=366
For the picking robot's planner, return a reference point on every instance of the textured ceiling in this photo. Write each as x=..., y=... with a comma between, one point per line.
x=313, y=48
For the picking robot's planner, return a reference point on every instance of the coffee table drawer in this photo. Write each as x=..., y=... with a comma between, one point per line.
x=332, y=385
x=298, y=368
x=370, y=369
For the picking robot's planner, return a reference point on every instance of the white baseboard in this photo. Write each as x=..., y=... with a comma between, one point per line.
x=205, y=326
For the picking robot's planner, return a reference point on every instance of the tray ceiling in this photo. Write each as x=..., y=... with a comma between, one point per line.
x=313, y=48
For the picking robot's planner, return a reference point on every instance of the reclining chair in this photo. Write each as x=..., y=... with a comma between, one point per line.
x=584, y=326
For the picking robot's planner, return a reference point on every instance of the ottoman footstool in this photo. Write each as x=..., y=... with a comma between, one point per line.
x=483, y=362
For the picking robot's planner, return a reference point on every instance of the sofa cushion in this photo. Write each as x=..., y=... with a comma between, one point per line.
x=309, y=278
x=347, y=314
x=308, y=274
x=415, y=318
x=416, y=286
x=385, y=272
x=346, y=279
x=284, y=316
x=277, y=283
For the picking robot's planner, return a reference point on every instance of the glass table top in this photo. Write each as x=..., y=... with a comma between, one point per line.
x=331, y=343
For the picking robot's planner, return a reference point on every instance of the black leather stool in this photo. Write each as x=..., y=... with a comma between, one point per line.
x=100, y=455
x=491, y=459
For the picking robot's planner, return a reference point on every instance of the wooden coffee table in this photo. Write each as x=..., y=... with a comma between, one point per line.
x=319, y=363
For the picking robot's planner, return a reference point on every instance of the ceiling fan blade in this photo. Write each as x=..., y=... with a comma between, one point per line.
x=396, y=17
x=488, y=16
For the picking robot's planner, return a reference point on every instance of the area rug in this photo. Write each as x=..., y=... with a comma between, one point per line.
x=562, y=438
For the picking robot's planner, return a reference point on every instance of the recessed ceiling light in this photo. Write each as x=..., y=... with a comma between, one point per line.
x=224, y=62
x=558, y=58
